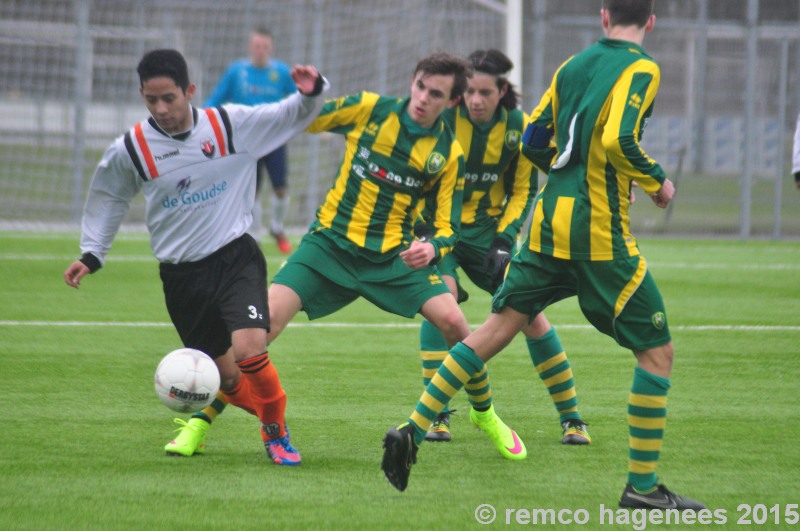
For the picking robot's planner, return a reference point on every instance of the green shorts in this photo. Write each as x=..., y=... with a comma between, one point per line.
x=619, y=297
x=469, y=256
x=328, y=276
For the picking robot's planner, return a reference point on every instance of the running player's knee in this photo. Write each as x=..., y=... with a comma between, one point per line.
x=228, y=382
x=454, y=327
x=657, y=360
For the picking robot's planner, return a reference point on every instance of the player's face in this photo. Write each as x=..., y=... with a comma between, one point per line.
x=260, y=49
x=167, y=103
x=430, y=96
x=482, y=97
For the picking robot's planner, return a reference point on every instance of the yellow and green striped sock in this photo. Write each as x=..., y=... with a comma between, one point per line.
x=479, y=390
x=647, y=416
x=433, y=350
x=551, y=363
x=210, y=412
x=458, y=368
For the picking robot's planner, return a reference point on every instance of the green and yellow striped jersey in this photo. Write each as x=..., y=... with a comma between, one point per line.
x=499, y=184
x=390, y=164
x=597, y=106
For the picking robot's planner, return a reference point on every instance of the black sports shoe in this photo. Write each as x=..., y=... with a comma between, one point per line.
x=399, y=453
x=440, y=429
x=574, y=431
x=661, y=498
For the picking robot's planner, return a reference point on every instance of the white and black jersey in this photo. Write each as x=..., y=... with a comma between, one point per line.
x=199, y=187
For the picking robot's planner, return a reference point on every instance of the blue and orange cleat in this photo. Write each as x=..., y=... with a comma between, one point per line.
x=280, y=449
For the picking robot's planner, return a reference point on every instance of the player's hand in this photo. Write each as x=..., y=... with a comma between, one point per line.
x=306, y=79
x=664, y=194
x=74, y=273
x=418, y=255
x=496, y=260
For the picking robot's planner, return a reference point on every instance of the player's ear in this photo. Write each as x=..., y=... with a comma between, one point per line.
x=190, y=91
x=503, y=90
x=650, y=23
x=453, y=102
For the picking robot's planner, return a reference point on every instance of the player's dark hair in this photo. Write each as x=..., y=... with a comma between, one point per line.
x=164, y=63
x=263, y=31
x=629, y=12
x=446, y=64
x=495, y=63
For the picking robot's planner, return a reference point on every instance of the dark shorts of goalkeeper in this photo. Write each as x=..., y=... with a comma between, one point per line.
x=328, y=277
x=618, y=297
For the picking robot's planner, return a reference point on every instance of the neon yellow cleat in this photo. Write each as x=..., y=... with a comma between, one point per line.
x=504, y=438
x=190, y=440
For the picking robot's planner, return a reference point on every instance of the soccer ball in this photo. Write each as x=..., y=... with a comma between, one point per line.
x=187, y=380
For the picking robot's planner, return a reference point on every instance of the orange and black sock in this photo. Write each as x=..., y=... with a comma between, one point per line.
x=267, y=394
x=239, y=396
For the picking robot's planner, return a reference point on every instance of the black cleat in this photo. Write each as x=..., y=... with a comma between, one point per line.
x=574, y=431
x=440, y=429
x=661, y=498
x=399, y=453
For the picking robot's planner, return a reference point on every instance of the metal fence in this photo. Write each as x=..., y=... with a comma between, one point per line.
x=722, y=127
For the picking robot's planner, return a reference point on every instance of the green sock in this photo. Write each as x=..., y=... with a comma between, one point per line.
x=551, y=363
x=647, y=416
x=433, y=350
x=457, y=369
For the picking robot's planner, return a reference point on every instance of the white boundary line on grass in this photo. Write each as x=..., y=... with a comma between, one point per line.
x=144, y=324
x=656, y=264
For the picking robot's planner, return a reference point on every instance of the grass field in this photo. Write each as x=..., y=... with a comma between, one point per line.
x=83, y=432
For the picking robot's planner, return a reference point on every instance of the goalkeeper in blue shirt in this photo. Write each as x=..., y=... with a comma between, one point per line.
x=261, y=79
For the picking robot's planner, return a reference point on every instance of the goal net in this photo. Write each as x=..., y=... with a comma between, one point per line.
x=68, y=84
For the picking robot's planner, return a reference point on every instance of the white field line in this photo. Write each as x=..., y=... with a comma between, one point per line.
x=145, y=324
x=657, y=265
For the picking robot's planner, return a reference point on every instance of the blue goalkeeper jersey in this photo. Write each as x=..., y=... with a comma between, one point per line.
x=251, y=85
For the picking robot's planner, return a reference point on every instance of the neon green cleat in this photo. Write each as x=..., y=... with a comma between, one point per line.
x=504, y=438
x=190, y=440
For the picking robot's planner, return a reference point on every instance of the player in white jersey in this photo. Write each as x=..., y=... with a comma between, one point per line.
x=196, y=169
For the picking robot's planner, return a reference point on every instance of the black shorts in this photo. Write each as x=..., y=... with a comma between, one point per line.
x=209, y=299
x=276, y=166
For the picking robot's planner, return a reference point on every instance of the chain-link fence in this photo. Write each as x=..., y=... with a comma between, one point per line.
x=722, y=127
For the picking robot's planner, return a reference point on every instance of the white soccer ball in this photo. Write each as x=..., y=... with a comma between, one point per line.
x=187, y=380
